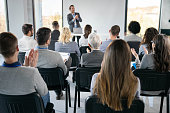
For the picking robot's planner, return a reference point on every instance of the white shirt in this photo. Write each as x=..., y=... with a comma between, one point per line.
x=26, y=43
x=83, y=41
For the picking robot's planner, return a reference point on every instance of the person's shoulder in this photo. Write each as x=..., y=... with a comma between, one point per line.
x=28, y=69
x=73, y=43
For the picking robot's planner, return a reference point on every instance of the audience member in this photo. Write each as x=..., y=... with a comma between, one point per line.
x=54, y=35
x=65, y=45
x=114, y=32
x=116, y=80
x=26, y=43
x=159, y=59
x=84, y=38
x=94, y=58
x=134, y=28
x=146, y=43
x=48, y=58
x=17, y=79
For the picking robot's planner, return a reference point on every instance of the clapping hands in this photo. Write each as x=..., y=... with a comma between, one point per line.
x=32, y=58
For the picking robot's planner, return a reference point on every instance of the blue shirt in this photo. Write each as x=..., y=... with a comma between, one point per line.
x=105, y=44
x=75, y=24
x=15, y=64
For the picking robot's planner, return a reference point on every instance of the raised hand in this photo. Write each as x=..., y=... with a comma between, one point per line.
x=134, y=53
x=32, y=58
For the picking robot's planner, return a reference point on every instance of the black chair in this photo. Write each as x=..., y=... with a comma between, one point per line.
x=31, y=103
x=135, y=45
x=74, y=64
x=93, y=105
x=83, y=81
x=154, y=84
x=21, y=57
x=54, y=78
x=83, y=49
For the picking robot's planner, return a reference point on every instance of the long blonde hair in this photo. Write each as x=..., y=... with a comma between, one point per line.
x=116, y=80
x=65, y=35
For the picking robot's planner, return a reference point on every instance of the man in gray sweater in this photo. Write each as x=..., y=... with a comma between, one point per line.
x=48, y=58
x=16, y=79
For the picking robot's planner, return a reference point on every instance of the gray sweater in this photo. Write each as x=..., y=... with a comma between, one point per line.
x=146, y=63
x=21, y=80
x=50, y=59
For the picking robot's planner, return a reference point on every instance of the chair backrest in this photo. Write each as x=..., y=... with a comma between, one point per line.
x=75, y=60
x=135, y=45
x=152, y=80
x=93, y=105
x=84, y=76
x=54, y=77
x=21, y=57
x=83, y=49
x=31, y=103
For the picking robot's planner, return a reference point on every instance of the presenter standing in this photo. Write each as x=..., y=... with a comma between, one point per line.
x=73, y=19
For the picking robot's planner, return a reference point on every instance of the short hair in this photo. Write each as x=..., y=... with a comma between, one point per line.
x=115, y=30
x=8, y=44
x=94, y=40
x=134, y=27
x=43, y=35
x=26, y=28
x=71, y=6
x=55, y=23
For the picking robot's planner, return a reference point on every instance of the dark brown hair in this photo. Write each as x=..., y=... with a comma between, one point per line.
x=55, y=23
x=71, y=6
x=26, y=28
x=8, y=44
x=162, y=55
x=150, y=33
x=87, y=31
x=134, y=27
x=115, y=30
x=43, y=35
x=116, y=80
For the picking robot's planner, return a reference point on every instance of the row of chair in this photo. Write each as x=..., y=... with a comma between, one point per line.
x=152, y=84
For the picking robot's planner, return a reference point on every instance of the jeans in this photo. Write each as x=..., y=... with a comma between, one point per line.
x=46, y=99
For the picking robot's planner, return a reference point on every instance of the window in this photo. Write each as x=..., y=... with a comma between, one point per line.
x=146, y=12
x=51, y=11
x=3, y=26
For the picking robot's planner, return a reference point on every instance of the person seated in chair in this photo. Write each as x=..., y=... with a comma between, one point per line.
x=113, y=34
x=16, y=79
x=134, y=28
x=26, y=43
x=54, y=35
x=65, y=45
x=146, y=43
x=116, y=80
x=84, y=38
x=94, y=58
x=159, y=59
x=48, y=58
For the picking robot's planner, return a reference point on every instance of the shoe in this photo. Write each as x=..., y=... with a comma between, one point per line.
x=59, y=96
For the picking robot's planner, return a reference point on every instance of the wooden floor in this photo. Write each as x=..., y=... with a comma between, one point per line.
x=152, y=105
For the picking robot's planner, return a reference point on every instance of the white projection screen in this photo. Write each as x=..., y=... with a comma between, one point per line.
x=100, y=14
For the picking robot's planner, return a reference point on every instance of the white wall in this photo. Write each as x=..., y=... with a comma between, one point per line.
x=19, y=12
x=101, y=14
x=165, y=15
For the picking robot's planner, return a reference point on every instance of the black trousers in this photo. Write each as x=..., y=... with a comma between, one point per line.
x=78, y=38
